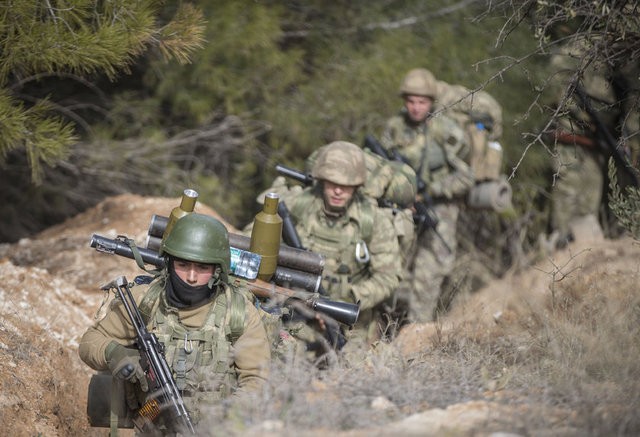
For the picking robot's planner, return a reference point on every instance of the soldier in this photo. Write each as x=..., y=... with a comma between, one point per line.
x=435, y=147
x=584, y=133
x=213, y=336
x=333, y=217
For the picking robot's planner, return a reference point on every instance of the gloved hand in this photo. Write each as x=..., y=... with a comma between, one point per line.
x=124, y=363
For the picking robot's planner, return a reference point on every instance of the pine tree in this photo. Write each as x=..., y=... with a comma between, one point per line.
x=76, y=39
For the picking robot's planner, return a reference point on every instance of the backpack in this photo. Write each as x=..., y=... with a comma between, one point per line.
x=480, y=116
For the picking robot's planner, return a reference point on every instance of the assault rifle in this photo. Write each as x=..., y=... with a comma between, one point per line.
x=605, y=133
x=304, y=178
x=164, y=396
x=424, y=217
x=289, y=232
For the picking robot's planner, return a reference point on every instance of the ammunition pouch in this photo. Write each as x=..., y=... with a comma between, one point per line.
x=106, y=402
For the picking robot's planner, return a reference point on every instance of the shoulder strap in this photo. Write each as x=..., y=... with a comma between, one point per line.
x=366, y=217
x=236, y=312
x=150, y=300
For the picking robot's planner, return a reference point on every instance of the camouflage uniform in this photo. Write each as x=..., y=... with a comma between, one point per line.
x=578, y=188
x=435, y=149
x=480, y=117
x=363, y=264
x=393, y=185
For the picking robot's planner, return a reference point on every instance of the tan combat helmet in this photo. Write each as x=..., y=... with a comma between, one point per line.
x=342, y=163
x=419, y=82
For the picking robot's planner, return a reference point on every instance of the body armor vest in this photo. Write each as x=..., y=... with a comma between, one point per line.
x=342, y=240
x=200, y=358
x=427, y=147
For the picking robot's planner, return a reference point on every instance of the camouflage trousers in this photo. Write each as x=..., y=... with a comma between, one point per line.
x=578, y=190
x=433, y=261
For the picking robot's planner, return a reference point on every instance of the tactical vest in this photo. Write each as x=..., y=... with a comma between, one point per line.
x=200, y=358
x=427, y=147
x=340, y=240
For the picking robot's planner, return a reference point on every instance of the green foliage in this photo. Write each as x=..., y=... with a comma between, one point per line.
x=31, y=128
x=294, y=75
x=240, y=69
x=78, y=38
x=625, y=208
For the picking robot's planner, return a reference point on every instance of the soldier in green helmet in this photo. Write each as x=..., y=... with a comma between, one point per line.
x=333, y=217
x=436, y=148
x=213, y=336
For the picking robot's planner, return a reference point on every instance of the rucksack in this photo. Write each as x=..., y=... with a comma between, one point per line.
x=480, y=116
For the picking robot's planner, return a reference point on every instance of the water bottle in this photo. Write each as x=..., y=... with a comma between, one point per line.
x=244, y=264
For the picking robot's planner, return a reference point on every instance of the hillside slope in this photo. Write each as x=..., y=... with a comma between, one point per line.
x=49, y=295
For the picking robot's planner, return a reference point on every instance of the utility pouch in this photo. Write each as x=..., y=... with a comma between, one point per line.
x=106, y=403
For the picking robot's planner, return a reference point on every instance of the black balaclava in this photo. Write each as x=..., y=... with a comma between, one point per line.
x=182, y=295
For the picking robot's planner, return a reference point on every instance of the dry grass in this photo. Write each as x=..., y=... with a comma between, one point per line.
x=571, y=367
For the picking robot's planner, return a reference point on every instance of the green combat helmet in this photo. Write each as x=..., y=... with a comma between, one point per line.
x=342, y=163
x=419, y=82
x=199, y=238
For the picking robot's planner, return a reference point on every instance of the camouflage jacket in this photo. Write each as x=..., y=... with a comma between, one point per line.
x=436, y=150
x=213, y=365
x=363, y=261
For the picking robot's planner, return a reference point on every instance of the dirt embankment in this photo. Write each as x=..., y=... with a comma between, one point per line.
x=49, y=295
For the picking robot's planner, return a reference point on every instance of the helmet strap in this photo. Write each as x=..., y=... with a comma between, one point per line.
x=216, y=278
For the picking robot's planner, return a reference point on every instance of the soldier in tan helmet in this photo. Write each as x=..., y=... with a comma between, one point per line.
x=436, y=147
x=333, y=217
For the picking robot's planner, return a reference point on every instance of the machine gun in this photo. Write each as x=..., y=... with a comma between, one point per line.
x=164, y=396
x=424, y=217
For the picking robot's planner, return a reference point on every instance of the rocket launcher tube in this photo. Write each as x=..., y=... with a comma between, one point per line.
x=296, y=259
x=343, y=312
x=282, y=276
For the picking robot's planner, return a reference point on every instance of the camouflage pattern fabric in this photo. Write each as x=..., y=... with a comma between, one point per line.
x=433, y=262
x=340, y=162
x=388, y=180
x=437, y=148
x=204, y=329
x=348, y=275
x=577, y=192
x=466, y=107
x=480, y=116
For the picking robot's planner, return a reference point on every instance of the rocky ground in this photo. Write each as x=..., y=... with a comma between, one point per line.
x=49, y=295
